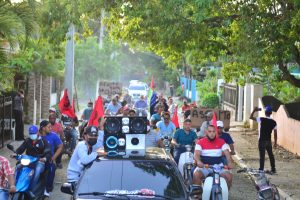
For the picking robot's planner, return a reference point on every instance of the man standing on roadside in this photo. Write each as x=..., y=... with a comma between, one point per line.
x=18, y=114
x=267, y=125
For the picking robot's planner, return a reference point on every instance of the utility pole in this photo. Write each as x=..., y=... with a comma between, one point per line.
x=69, y=69
x=102, y=27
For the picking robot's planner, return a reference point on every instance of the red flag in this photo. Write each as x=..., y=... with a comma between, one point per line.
x=175, y=118
x=97, y=112
x=214, y=123
x=65, y=106
x=152, y=83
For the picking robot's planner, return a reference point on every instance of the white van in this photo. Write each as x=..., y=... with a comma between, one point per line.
x=135, y=90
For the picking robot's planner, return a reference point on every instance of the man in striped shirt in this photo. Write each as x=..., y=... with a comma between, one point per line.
x=209, y=151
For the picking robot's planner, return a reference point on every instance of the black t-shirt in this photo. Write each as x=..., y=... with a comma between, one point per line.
x=266, y=127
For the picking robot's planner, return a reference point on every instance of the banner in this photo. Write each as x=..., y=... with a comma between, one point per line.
x=109, y=88
x=198, y=116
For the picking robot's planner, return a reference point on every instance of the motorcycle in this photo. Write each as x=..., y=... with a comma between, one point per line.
x=185, y=165
x=215, y=186
x=83, y=124
x=167, y=144
x=24, y=174
x=68, y=139
x=141, y=112
x=265, y=190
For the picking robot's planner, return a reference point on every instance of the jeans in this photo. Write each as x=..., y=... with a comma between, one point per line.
x=177, y=152
x=73, y=135
x=50, y=177
x=39, y=168
x=263, y=146
x=4, y=194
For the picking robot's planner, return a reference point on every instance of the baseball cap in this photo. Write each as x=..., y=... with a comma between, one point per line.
x=92, y=131
x=268, y=109
x=220, y=124
x=52, y=109
x=44, y=123
x=33, y=129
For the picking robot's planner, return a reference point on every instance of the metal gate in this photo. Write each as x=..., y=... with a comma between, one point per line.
x=7, y=123
x=230, y=97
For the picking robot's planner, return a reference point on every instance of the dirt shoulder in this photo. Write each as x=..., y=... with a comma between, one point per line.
x=287, y=163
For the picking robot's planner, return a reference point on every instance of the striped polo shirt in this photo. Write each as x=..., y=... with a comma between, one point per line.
x=211, y=151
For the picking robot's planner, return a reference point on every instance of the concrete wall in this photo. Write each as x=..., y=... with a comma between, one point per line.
x=287, y=129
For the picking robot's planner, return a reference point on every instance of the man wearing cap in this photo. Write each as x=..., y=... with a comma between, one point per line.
x=83, y=154
x=227, y=138
x=205, y=124
x=267, y=125
x=36, y=146
x=56, y=147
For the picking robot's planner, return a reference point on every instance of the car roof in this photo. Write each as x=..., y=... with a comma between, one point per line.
x=149, y=153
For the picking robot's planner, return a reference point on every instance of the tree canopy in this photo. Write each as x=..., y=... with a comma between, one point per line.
x=244, y=34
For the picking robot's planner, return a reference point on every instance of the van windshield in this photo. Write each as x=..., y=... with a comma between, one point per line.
x=137, y=87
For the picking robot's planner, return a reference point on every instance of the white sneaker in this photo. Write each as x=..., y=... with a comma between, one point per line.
x=46, y=193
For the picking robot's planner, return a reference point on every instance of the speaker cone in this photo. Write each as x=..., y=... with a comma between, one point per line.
x=138, y=125
x=113, y=125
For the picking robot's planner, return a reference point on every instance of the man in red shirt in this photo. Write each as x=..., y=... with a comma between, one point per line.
x=57, y=128
x=209, y=151
x=7, y=179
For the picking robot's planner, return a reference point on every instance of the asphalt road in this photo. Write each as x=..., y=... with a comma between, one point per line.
x=243, y=188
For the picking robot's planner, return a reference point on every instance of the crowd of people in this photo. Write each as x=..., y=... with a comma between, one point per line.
x=212, y=145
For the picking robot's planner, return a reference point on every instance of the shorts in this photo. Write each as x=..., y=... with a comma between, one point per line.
x=207, y=171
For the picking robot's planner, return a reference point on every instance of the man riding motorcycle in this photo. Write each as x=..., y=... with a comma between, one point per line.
x=183, y=137
x=37, y=147
x=209, y=151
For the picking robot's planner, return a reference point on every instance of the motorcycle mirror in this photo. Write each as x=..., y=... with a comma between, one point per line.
x=10, y=147
x=67, y=188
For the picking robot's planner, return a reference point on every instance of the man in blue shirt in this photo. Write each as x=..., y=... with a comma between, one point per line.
x=113, y=107
x=166, y=128
x=227, y=138
x=83, y=154
x=183, y=137
x=87, y=112
x=157, y=116
x=56, y=147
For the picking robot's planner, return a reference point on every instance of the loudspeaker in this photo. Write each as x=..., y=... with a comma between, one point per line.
x=114, y=138
x=135, y=141
x=138, y=125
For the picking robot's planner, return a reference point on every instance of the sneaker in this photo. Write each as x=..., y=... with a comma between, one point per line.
x=59, y=166
x=47, y=194
x=273, y=171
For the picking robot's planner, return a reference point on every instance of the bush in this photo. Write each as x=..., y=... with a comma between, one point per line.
x=179, y=91
x=210, y=100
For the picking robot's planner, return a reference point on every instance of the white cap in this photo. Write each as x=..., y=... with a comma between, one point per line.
x=52, y=109
x=220, y=124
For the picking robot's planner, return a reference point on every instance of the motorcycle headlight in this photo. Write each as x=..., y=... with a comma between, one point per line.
x=25, y=162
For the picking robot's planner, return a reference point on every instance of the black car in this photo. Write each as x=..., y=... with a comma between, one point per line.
x=152, y=174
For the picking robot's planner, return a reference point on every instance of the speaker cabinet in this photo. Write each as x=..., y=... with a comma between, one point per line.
x=114, y=138
x=138, y=125
x=135, y=141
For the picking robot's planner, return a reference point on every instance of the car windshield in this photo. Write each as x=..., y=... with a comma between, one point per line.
x=137, y=87
x=132, y=175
